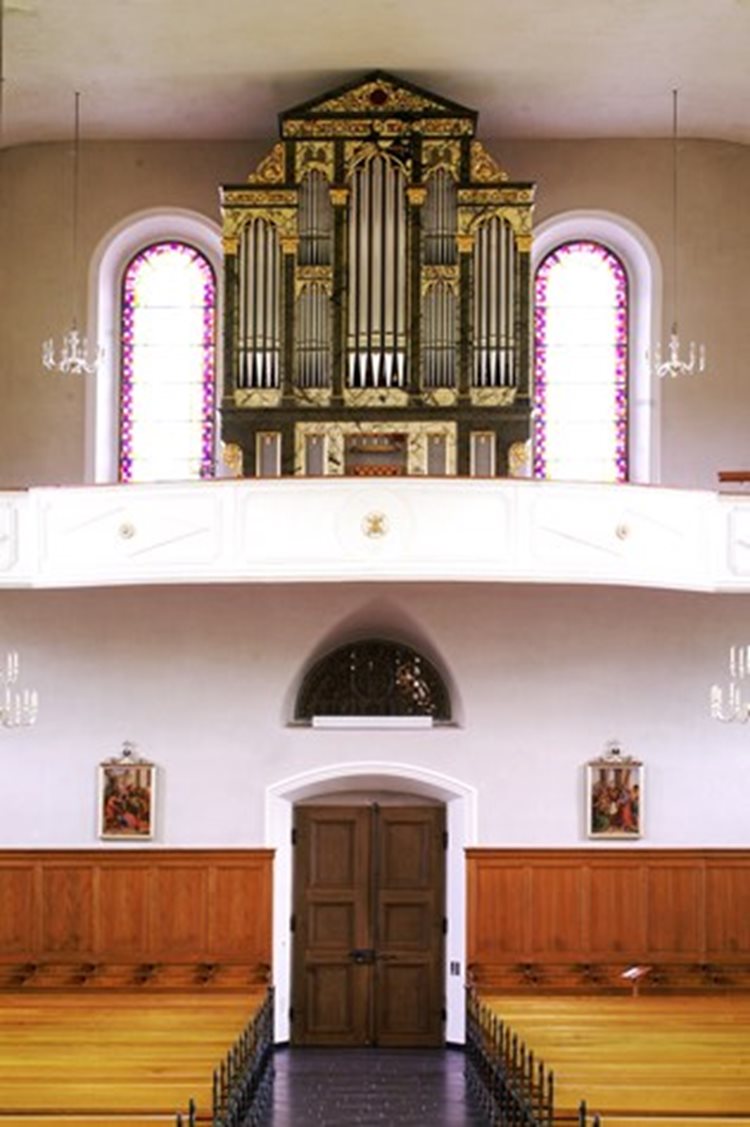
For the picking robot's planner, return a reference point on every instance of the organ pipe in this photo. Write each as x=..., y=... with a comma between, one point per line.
x=439, y=337
x=260, y=306
x=315, y=222
x=378, y=278
x=494, y=306
x=313, y=339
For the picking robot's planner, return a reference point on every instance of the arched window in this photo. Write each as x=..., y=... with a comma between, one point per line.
x=581, y=364
x=117, y=250
x=167, y=372
x=637, y=255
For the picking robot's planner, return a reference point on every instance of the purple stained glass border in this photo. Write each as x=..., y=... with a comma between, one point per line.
x=620, y=405
x=208, y=344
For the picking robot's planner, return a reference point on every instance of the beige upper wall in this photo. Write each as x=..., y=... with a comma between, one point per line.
x=42, y=431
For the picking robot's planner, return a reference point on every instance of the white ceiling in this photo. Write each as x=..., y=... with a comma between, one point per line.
x=223, y=69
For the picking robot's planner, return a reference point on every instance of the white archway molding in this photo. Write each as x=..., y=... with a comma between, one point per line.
x=108, y=262
x=641, y=260
x=461, y=817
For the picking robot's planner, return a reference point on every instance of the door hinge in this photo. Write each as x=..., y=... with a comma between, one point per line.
x=292, y=922
x=443, y=1014
x=445, y=925
x=291, y=1013
x=294, y=835
x=445, y=839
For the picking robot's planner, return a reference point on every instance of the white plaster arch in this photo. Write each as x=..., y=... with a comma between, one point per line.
x=643, y=266
x=108, y=262
x=460, y=800
x=378, y=617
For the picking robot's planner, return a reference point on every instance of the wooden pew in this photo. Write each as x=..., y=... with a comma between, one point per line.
x=96, y=1057
x=661, y=1060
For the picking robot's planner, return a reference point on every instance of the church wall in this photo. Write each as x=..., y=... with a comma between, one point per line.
x=203, y=680
x=42, y=421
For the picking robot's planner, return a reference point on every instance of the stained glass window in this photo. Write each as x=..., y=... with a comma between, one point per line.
x=167, y=383
x=581, y=365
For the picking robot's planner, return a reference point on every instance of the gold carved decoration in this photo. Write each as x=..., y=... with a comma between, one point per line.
x=363, y=127
x=231, y=456
x=519, y=219
x=339, y=197
x=289, y=244
x=314, y=156
x=252, y=197
x=484, y=168
x=376, y=397
x=445, y=127
x=257, y=397
x=465, y=244
x=496, y=194
x=519, y=459
x=271, y=168
x=282, y=218
x=493, y=396
x=375, y=525
x=440, y=275
x=417, y=436
x=441, y=155
x=232, y=223
x=470, y=219
x=347, y=127
x=358, y=152
x=312, y=396
x=313, y=276
x=416, y=194
x=230, y=244
x=377, y=96
x=440, y=397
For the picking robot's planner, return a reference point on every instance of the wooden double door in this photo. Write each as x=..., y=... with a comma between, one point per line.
x=369, y=925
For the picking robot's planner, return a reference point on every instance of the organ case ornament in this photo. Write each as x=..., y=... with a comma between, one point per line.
x=377, y=279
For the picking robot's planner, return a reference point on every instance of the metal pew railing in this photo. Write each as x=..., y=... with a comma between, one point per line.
x=242, y=1082
x=512, y=1089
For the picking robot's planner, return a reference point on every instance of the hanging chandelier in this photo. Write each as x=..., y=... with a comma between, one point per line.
x=16, y=707
x=74, y=356
x=695, y=361
x=733, y=705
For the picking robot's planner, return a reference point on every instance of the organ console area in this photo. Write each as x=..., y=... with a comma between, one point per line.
x=377, y=294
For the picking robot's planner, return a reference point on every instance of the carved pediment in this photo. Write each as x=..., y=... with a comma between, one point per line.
x=378, y=93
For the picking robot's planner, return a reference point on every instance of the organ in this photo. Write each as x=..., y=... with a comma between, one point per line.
x=377, y=294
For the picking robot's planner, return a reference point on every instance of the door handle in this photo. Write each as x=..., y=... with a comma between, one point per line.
x=362, y=956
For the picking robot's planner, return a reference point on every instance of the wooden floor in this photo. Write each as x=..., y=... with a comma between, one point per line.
x=659, y=1061
x=107, y=1059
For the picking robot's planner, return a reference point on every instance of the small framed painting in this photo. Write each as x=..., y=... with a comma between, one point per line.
x=614, y=795
x=127, y=795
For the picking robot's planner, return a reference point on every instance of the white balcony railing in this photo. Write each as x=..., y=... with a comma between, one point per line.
x=369, y=529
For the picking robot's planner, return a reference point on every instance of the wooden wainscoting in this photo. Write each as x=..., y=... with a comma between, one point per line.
x=574, y=919
x=156, y=918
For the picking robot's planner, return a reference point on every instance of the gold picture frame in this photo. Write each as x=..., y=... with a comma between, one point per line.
x=614, y=795
x=126, y=797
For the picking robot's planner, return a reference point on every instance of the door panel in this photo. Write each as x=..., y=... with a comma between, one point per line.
x=331, y=912
x=369, y=891
x=409, y=898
